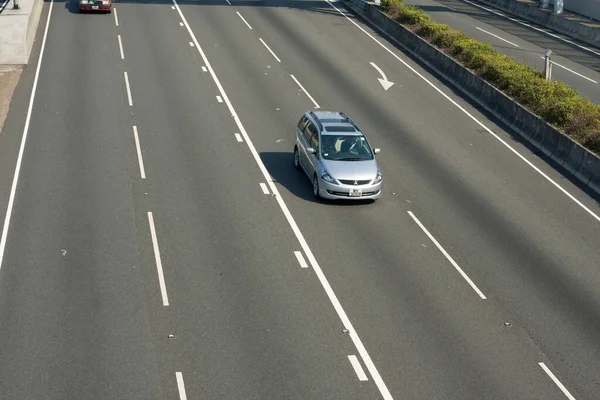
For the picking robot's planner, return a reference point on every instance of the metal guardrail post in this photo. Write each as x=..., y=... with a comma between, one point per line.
x=548, y=65
x=558, y=6
x=15, y=4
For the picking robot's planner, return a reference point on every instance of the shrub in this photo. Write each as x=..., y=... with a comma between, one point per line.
x=388, y=4
x=412, y=15
x=466, y=49
x=497, y=69
x=555, y=102
x=432, y=29
x=530, y=88
x=584, y=125
x=446, y=38
x=392, y=7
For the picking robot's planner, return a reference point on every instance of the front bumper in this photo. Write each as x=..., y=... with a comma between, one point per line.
x=342, y=192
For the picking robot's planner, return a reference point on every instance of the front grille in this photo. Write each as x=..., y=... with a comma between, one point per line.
x=337, y=193
x=351, y=182
x=345, y=194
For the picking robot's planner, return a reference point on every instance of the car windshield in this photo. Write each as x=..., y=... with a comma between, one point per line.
x=345, y=148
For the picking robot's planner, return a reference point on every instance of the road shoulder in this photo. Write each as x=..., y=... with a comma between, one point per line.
x=9, y=78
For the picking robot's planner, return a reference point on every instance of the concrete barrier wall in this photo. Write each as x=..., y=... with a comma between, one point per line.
x=584, y=165
x=587, y=8
x=17, y=31
x=547, y=18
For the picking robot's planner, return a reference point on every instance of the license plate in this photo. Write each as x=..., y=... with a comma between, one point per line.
x=94, y=7
x=355, y=193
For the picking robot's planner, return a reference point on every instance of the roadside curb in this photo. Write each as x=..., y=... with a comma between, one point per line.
x=17, y=32
x=548, y=19
x=577, y=160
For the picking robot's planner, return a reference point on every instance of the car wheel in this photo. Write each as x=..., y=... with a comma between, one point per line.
x=296, y=159
x=316, y=187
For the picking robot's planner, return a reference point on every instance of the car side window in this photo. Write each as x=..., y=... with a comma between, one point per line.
x=314, y=140
x=309, y=131
x=302, y=123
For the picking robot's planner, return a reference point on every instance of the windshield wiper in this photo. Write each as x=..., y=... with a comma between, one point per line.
x=351, y=159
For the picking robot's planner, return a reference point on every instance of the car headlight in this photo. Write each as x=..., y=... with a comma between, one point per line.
x=378, y=178
x=327, y=178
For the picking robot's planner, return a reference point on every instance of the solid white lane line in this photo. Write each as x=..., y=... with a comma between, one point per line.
x=128, y=89
x=488, y=130
x=532, y=27
x=219, y=99
x=13, y=188
x=300, y=259
x=496, y=36
x=264, y=188
x=440, y=248
x=159, y=268
x=228, y=2
x=139, y=152
x=268, y=48
x=576, y=73
x=180, y=386
x=114, y=11
x=121, y=47
x=358, y=368
x=238, y=137
x=570, y=70
x=556, y=381
x=238, y=13
x=304, y=90
x=381, y=386
x=204, y=69
x=191, y=44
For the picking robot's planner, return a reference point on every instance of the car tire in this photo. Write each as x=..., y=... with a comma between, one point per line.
x=316, y=187
x=297, y=159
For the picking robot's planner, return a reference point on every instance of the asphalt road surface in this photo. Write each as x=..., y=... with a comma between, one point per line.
x=162, y=246
x=576, y=64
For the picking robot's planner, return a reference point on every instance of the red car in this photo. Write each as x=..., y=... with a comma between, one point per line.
x=95, y=5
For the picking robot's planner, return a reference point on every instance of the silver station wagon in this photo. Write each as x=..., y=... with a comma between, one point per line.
x=336, y=156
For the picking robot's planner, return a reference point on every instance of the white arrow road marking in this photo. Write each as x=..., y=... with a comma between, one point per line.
x=384, y=82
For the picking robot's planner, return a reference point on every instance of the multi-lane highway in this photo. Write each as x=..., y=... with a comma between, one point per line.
x=576, y=64
x=159, y=244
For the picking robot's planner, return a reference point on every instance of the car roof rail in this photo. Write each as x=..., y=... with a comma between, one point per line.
x=349, y=120
x=318, y=121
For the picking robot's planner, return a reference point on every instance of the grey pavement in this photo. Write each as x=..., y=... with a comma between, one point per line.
x=246, y=320
x=574, y=65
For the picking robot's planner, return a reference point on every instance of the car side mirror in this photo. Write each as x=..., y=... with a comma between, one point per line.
x=311, y=150
x=377, y=151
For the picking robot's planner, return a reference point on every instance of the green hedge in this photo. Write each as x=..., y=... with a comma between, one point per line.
x=555, y=102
